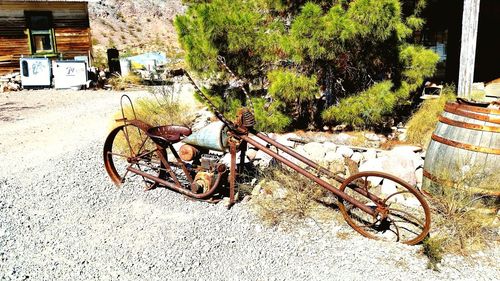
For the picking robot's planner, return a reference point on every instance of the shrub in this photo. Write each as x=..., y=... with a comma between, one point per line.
x=424, y=121
x=464, y=220
x=299, y=199
x=365, y=109
x=162, y=108
x=121, y=83
x=345, y=50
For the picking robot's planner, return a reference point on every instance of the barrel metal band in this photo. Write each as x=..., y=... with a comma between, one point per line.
x=466, y=146
x=449, y=183
x=479, y=109
x=470, y=126
x=453, y=108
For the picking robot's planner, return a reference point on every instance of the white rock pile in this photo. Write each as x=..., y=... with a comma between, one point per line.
x=405, y=162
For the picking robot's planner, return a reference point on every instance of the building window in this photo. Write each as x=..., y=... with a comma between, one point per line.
x=41, y=33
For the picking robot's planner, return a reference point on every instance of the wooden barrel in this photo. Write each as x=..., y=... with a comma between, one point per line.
x=465, y=150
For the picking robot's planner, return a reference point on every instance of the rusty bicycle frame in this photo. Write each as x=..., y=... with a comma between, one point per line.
x=241, y=134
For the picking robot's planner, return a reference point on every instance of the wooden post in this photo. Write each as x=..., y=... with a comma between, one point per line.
x=470, y=22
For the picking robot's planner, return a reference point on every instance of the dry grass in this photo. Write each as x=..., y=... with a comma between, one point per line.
x=464, y=222
x=121, y=83
x=433, y=249
x=424, y=121
x=164, y=108
x=287, y=198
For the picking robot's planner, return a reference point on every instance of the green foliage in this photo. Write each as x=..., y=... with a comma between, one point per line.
x=270, y=118
x=365, y=109
x=342, y=48
x=290, y=86
x=418, y=63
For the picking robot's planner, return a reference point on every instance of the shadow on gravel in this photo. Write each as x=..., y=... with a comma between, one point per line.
x=9, y=107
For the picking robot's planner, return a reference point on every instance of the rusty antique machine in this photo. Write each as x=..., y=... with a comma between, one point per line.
x=375, y=204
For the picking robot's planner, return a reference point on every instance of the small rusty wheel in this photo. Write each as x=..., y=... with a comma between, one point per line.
x=129, y=146
x=402, y=214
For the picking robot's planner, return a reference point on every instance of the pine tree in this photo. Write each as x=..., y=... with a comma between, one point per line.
x=345, y=61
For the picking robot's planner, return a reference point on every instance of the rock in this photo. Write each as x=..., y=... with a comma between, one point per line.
x=342, y=138
x=372, y=137
x=331, y=156
x=375, y=164
x=329, y=199
x=408, y=152
x=326, y=128
x=370, y=154
x=299, y=150
x=402, y=136
x=251, y=154
x=412, y=201
x=283, y=139
x=413, y=148
x=315, y=150
x=280, y=193
x=357, y=157
x=419, y=174
x=263, y=159
x=259, y=140
x=329, y=146
x=339, y=128
x=202, y=119
x=345, y=151
x=388, y=187
x=256, y=190
x=400, y=165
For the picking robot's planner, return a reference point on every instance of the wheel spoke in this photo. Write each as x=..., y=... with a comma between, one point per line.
x=125, y=148
x=117, y=154
x=407, y=214
x=406, y=226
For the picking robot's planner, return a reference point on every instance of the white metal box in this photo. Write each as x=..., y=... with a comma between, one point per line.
x=69, y=74
x=35, y=72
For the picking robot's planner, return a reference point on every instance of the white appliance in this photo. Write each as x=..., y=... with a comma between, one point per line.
x=35, y=72
x=69, y=74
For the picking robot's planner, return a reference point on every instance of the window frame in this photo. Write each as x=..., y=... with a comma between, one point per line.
x=32, y=32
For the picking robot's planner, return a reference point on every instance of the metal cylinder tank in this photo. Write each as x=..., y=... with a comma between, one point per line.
x=212, y=137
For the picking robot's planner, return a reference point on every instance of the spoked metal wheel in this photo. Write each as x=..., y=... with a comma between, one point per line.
x=402, y=214
x=129, y=146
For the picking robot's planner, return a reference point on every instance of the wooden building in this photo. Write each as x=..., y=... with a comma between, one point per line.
x=43, y=28
x=443, y=30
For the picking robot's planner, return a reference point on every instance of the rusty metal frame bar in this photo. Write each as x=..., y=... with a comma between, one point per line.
x=303, y=172
x=179, y=188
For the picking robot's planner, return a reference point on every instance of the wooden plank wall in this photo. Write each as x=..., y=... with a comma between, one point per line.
x=71, y=27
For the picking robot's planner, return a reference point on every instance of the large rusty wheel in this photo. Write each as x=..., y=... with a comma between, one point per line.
x=402, y=214
x=129, y=146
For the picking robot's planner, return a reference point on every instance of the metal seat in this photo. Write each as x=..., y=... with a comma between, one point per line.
x=166, y=135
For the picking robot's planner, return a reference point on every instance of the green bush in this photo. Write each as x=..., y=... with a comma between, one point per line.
x=292, y=51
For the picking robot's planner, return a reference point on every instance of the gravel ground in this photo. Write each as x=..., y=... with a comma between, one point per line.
x=62, y=219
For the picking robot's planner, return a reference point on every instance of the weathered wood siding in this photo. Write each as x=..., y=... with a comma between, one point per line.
x=71, y=28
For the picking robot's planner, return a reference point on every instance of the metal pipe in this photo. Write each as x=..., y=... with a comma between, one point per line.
x=299, y=157
x=318, y=167
x=177, y=188
x=310, y=176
